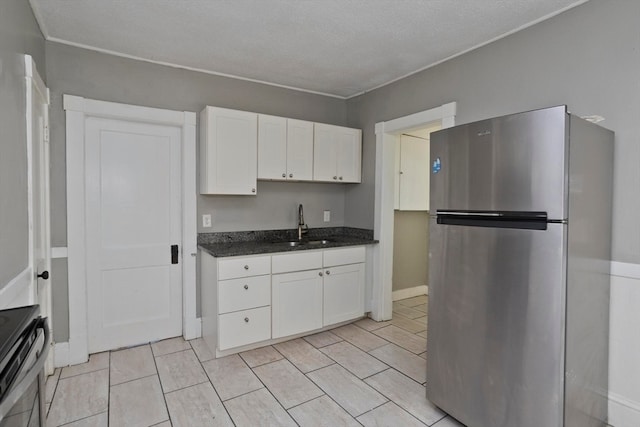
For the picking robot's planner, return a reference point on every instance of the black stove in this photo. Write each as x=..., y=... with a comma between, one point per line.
x=17, y=334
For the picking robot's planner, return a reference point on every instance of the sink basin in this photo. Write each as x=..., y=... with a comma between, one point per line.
x=295, y=243
x=318, y=242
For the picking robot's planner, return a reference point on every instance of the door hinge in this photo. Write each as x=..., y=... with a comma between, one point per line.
x=45, y=133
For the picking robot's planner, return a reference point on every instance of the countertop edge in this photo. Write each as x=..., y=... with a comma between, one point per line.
x=215, y=249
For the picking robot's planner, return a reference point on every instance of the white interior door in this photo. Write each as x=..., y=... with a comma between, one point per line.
x=133, y=217
x=38, y=141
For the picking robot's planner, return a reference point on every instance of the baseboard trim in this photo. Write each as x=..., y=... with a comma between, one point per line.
x=625, y=269
x=622, y=411
x=60, y=354
x=410, y=292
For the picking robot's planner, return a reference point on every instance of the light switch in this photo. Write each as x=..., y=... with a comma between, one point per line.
x=327, y=216
x=206, y=220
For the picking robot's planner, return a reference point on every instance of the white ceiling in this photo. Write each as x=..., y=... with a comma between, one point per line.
x=336, y=47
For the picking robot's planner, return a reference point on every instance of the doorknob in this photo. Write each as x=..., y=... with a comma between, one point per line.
x=44, y=275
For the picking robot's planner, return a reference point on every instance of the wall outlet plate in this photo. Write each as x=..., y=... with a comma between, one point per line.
x=206, y=220
x=327, y=216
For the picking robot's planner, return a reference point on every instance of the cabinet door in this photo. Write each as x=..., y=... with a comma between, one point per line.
x=228, y=151
x=414, y=174
x=272, y=147
x=299, y=150
x=343, y=293
x=296, y=302
x=324, y=153
x=349, y=157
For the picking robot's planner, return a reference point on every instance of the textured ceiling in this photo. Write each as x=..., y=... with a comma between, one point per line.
x=336, y=47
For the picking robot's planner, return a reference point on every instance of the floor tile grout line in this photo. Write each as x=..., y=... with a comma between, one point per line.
x=133, y=379
x=365, y=352
x=164, y=398
x=84, y=418
x=267, y=388
x=214, y=387
x=373, y=409
x=395, y=369
x=55, y=389
x=329, y=396
x=314, y=383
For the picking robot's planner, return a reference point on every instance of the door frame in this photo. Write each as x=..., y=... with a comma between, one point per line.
x=77, y=110
x=387, y=136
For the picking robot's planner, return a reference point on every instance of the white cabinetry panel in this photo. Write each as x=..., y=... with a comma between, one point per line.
x=296, y=302
x=228, y=151
x=240, y=294
x=272, y=147
x=337, y=153
x=244, y=327
x=343, y=293
x=299, y=150
x=231, y=268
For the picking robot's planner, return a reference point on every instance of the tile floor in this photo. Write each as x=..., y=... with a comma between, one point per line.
x=366, y=373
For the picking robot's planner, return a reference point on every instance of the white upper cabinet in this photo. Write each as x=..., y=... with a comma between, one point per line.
x=285, y=149
x=228, y=151
x=413, y=168
x=299, y=150
x=337, y=153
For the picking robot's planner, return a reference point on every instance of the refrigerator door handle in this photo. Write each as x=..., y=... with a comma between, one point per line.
x=528, y=220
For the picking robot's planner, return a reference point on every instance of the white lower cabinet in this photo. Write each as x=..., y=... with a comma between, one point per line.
x=343, y=296
x=296, y=303
x=244, y=327
x=247, y=301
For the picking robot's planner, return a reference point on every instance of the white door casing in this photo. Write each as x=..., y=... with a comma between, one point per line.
x=37, y=119
x=133, y=216
x=104, y=246
x=387, y=135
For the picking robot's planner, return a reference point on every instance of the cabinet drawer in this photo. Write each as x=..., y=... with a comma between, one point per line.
x=303, y=260
x=244, y=293
x=243, y=267
x=244, y=327
x=344, y=256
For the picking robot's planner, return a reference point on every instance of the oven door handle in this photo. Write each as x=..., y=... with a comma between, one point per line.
x=22, y=383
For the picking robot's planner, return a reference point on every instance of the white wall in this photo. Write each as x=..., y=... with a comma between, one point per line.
x=624, y=346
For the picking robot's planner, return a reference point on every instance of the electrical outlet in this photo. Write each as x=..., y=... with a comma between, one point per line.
x=327, y=216
x=206, y=220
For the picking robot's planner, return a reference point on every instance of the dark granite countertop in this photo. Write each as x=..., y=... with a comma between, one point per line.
x=225, y=244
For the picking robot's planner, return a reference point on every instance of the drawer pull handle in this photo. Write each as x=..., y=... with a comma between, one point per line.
x=246, y=267
x=284, y=175
x=290, y=175
x=335, y=177
x=320, y=273
x=340, y=178
x=246, y=286
x=246, y=320
x=253, y=190
x=328, y=272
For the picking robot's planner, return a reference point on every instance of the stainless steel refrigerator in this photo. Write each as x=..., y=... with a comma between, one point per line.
x=519, y=253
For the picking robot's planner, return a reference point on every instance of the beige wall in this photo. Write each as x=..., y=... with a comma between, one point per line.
x=410, y=254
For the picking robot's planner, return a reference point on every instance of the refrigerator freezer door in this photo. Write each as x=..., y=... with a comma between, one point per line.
x=511, y=163
x=496, y=324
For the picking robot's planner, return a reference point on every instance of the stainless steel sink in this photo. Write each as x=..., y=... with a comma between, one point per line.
x=295, y=243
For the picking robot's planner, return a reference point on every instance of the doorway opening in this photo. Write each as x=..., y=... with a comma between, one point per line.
x=388, y=135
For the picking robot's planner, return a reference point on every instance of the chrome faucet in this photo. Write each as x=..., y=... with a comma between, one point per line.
x=302, y=227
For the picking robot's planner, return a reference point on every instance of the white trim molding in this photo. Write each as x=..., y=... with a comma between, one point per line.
x=77, y=110
x=624, y=351
x=410, y=292
x=387, y=134
x=18, y=291
x=59, y=252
